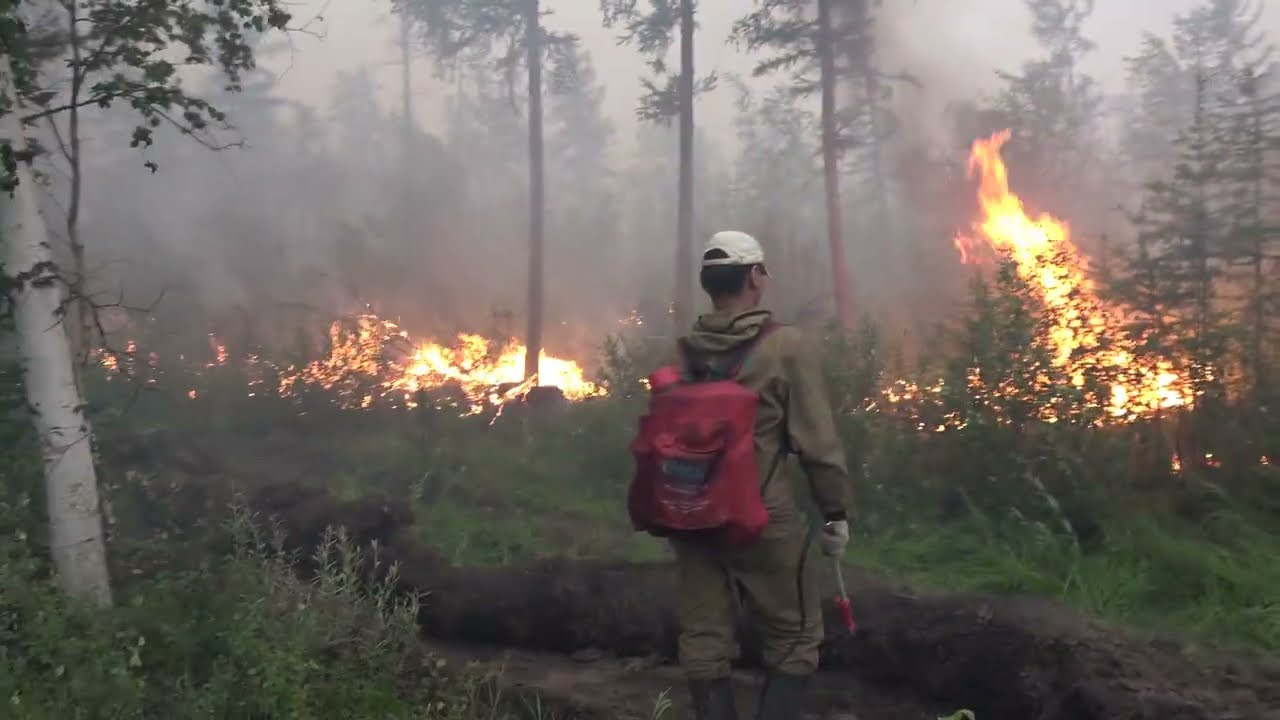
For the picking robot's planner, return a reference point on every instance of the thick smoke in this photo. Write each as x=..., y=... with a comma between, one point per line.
x=328, y=200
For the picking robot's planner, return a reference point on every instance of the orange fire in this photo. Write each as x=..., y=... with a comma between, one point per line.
x=1086, y=336
x=376, y=360
x=371, y=361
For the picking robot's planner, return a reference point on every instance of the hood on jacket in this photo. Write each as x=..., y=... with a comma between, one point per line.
x=718, y=332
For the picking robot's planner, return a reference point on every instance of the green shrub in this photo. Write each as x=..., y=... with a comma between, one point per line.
x=240, y=637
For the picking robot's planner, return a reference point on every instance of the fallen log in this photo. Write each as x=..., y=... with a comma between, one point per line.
x=1003, y=658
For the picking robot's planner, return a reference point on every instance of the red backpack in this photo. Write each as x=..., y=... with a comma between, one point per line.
x=695, y=452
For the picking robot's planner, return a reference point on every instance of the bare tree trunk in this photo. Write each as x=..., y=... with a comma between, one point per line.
x=406, y=212
x=75, y=518
x=874, y=148
x=406, y=96
x=406, y=74
x=537, y=191
x=684, y=220
x=831, y=168
x=1257, y=259
x=79, y=310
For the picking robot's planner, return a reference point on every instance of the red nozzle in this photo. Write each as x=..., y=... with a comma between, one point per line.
x=846, y=614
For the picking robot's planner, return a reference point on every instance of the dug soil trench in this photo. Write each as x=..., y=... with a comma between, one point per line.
x=569, y=628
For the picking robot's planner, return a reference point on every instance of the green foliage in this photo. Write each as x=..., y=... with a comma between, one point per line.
x=653, y=32
x=1200, y=275
x=1093, y=516
x=1052, y=108
x=462, y=32
x=237, y=637
x=789, y=30
x=119, y=52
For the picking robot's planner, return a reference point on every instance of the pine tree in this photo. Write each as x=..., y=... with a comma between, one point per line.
x=777, y=193
x=1181, y=247
x=1163, y=96
x=1251, y=143
x=580, y=138
x=1209, y=237
x=510, y=35
x=667, y=96
x=1052, y=106
x=1256, y=239
x=822, y=46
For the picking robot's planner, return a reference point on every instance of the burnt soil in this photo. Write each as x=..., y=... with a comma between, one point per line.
x=598, y=639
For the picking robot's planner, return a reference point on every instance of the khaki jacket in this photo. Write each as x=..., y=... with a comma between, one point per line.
x=794, y=416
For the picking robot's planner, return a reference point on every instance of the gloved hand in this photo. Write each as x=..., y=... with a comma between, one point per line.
x=834, y=538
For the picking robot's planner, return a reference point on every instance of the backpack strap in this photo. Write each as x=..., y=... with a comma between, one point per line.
x=722, y=366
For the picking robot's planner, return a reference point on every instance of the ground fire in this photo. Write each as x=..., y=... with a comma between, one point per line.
x=485, y=372
x=373, y=362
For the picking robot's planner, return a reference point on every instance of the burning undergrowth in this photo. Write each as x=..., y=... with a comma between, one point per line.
x=366, y=362
x=1043, y=346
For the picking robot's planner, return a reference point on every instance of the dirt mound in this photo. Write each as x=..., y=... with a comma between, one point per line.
x=600, y=688
x=1004, y=658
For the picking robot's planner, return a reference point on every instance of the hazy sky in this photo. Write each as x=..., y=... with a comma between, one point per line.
x=955, y=45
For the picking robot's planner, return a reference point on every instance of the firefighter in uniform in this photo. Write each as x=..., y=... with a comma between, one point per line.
x=772, y=575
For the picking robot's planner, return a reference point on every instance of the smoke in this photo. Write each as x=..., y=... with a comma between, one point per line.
x=331, y=203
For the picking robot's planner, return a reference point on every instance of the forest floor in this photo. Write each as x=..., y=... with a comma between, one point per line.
x=543, y=586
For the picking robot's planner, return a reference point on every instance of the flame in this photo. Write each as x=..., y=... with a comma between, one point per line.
x=1086, y=336
x=376, y=360
x=220, y=355
x=371, y=361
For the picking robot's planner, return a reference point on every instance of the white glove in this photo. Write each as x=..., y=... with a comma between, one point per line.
x=834, y=538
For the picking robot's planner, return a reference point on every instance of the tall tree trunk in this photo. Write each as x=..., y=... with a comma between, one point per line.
x=81, y=312
x=406, y=75
x=407, y=156
x=537, y=191
x=875, y=148
x=75, y=519
x=831, y=167
x=684, y=220
x=1257, y=259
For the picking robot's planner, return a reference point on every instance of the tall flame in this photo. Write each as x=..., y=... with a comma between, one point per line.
x=1086, y=335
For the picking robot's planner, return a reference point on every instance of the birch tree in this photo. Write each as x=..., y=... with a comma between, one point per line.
x=108, y=53
x=118, y=52
x=36, y=294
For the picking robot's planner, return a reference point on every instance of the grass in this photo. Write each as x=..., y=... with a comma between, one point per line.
x=235, y=635
x=1152, y=574
x=1056, y=512
x=240, y=637
x=554, y=486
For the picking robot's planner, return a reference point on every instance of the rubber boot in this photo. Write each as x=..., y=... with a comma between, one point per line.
x=782, y=697
x=713, y=699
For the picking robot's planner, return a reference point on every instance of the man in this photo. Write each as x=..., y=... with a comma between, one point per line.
x=794, y=416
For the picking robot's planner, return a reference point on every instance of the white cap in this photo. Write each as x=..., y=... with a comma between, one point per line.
x=738, y=247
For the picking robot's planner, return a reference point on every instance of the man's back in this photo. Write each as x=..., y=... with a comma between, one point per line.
x=794, y=415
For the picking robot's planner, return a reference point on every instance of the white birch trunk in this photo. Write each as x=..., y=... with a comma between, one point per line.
x=75, y=518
